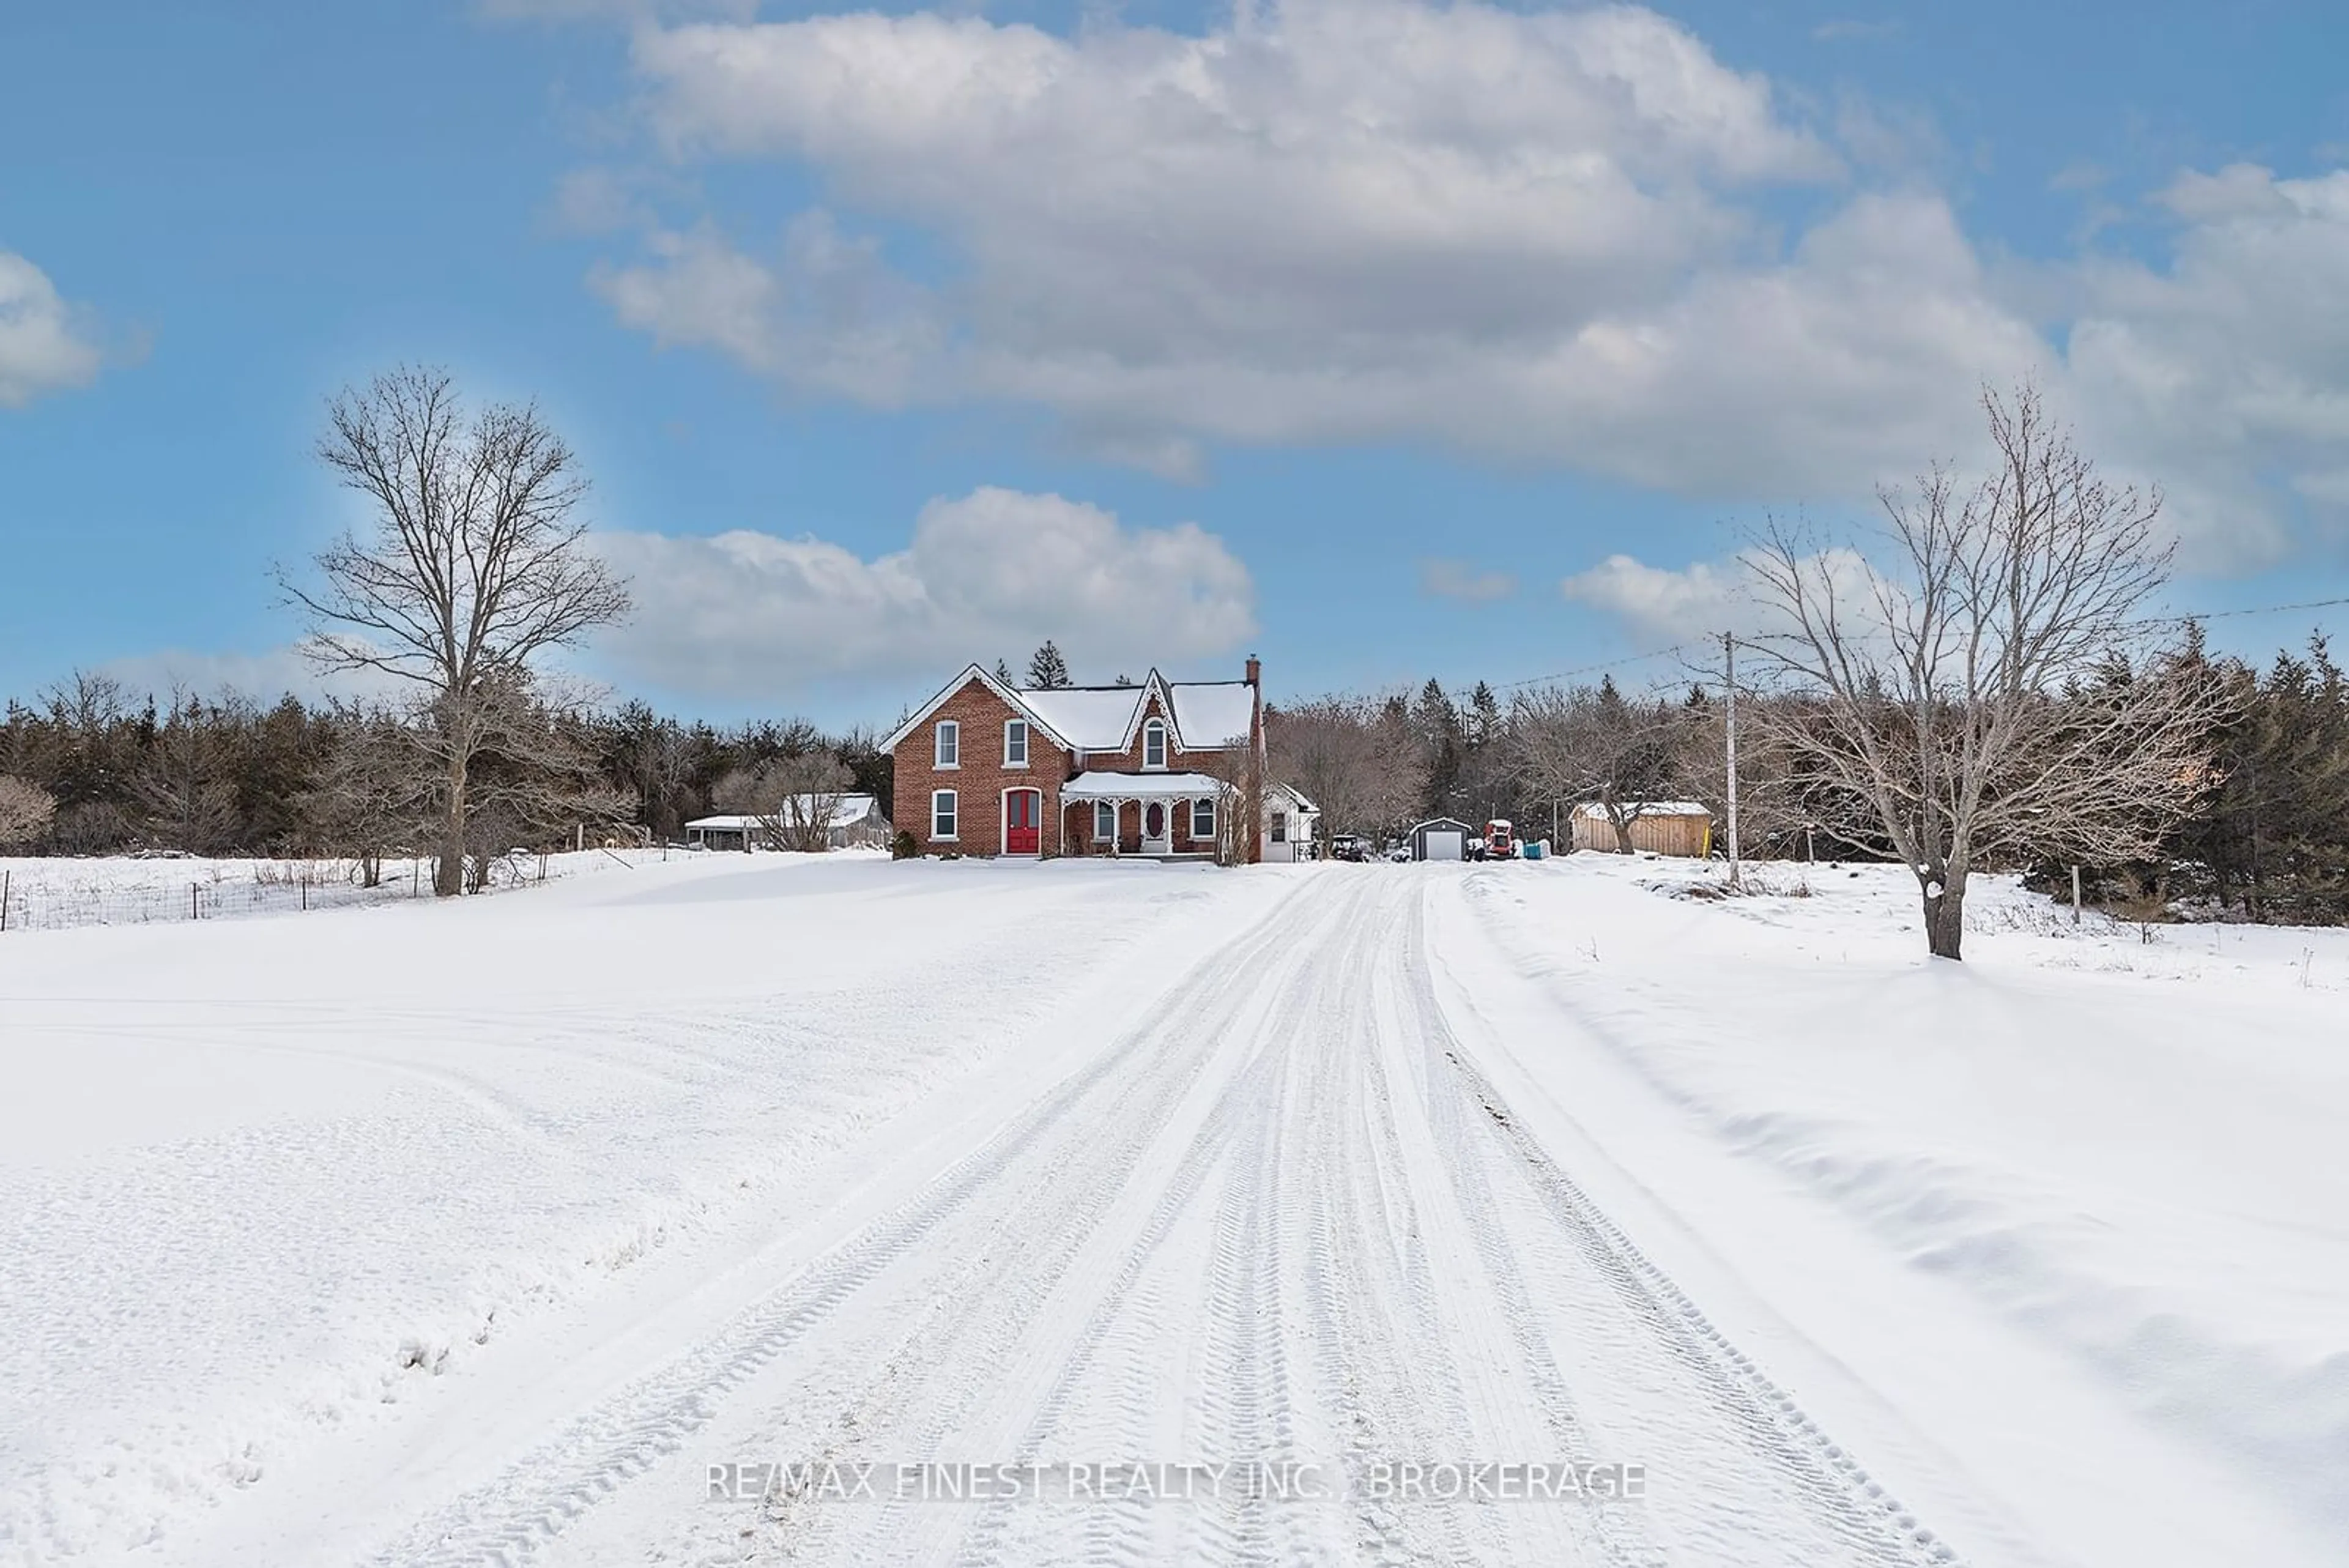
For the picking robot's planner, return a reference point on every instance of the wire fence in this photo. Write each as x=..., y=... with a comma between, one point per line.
x=50, y=895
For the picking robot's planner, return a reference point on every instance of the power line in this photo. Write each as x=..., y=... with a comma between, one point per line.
x=1593, y=669
x=2221, y=615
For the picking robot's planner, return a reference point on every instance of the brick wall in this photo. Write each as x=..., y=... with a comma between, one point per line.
x=981, y=779
x=1129, y=760
x=980, y=782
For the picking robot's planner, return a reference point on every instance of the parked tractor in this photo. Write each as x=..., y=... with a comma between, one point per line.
x=1500, y=840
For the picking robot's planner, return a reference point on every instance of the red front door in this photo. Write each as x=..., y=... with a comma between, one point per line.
x=1023, y=822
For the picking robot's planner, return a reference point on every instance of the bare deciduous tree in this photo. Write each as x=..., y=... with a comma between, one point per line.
x=470, y=567
x=369, y=796
x=1351, y=757
x=538, y=780
x=1775, y=819
x=25, y=812
x=1239, y=808
x=1593, y=747
x=793, y=799
x=1989, y=704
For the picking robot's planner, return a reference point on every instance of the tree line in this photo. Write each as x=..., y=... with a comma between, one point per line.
x=89, y=767
x=1984, y=689
x=2267, y=840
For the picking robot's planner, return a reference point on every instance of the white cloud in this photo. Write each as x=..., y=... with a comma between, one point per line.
x=1464, y=581
x=1660, y=603
x=825, y=317
x=1317, y=220
x=43, y=345
x=1704, y=598
x=993, y=573
x=1540, y=236
x=2226, y=367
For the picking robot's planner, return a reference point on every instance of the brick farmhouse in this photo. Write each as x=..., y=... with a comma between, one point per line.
x=1164, y=769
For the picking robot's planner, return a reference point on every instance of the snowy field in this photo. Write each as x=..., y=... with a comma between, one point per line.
x=539, y=1227
x=59, y=892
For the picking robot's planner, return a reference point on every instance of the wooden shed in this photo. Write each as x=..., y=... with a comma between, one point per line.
x=1662, y=827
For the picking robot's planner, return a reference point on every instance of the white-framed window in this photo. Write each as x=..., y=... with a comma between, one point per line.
x=945, y=816
x=1015, y=743
x=1104, y=821
x=1281, y=827
x=1154, y=743
x=949, y=751
x=1203, y=819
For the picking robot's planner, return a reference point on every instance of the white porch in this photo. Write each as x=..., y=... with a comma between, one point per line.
x=1168, y=803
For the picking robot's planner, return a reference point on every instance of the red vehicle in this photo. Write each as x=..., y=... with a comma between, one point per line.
x=1500, y=840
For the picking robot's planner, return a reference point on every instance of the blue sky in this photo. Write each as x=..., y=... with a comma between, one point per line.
x=1344, y=334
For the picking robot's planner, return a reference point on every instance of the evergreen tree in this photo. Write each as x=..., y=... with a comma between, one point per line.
x=1047, y=670
x=1435, y=729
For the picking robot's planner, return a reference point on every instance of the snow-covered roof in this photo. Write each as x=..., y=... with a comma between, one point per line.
x=1213, y=713
x=1296, y=797
x=1208, y=715
x=848, y=812
x=1598, y=813
x=1090, y=718
x=1142, y=786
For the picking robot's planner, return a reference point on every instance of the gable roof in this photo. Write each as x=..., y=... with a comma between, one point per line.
x=1206, y=715
x=1013, y=699
x=1296, y=796
x=1212, y=714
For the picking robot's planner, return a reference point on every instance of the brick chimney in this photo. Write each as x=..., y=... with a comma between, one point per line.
x=1255, y=671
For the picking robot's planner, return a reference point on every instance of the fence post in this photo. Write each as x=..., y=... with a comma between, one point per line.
x=5, y=875
x=193, y=913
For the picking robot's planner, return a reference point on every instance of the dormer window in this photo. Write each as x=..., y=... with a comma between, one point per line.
x=1154, y=743
x=1015, y=743
x=949, y=750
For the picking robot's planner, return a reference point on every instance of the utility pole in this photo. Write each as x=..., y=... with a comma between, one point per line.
x=1729, y=648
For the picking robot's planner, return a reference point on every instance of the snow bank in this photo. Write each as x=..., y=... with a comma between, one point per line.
x=2124, y=1143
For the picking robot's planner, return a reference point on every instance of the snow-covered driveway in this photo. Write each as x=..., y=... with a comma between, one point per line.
x=1242, y=1218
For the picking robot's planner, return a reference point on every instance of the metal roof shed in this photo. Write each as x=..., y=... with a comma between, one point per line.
x=1442, y=838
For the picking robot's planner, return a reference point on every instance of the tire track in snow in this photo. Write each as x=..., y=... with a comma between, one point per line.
x=1059, y=1217
x=1867, y=1522
x=512, y=1518
x=1128, y=1304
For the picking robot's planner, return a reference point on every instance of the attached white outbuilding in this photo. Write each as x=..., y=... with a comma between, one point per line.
x=1291, y=823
